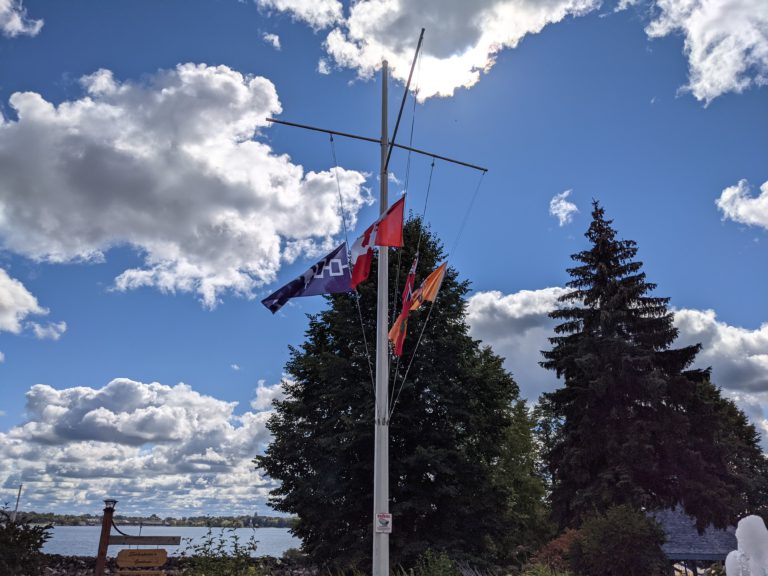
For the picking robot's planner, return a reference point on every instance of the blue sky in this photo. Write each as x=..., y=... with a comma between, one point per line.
x=146, y=206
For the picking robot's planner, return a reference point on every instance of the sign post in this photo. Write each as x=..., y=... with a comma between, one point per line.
x=131, y=558
x=106, y=527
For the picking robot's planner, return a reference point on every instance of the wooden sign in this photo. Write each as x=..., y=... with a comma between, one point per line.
x=144, y=540
x=151, y=558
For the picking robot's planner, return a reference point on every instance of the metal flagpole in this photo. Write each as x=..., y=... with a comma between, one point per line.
x=16, y=510
x=382, y=521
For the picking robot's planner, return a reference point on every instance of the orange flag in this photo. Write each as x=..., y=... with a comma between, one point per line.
x=429, y=288
x=397, y=333
x=426, y=292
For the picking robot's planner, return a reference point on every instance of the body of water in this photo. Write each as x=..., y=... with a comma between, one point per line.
x=84, y=540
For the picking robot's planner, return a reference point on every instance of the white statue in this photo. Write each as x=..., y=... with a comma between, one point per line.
x=751, y=558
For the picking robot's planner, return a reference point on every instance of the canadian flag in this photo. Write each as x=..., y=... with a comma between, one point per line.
x=386, y=231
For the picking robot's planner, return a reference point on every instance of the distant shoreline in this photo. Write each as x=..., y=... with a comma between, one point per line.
x=254, y=521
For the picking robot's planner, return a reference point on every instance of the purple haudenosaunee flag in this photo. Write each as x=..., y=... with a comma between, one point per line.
x=329, y=276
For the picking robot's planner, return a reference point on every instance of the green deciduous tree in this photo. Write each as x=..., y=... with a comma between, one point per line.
x=633, y=424
x=462, y=467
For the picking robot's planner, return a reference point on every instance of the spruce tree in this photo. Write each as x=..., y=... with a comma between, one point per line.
x=462, y=461
x=633, y=424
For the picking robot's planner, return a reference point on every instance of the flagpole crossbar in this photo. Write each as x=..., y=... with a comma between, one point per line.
x=378, y=141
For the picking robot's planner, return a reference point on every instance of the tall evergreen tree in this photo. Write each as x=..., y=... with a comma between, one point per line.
x=632, y=423
x=462, y=466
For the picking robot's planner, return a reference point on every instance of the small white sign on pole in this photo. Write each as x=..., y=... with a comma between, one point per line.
x=384, y=523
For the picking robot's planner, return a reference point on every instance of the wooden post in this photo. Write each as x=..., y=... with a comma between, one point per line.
x=106, y=527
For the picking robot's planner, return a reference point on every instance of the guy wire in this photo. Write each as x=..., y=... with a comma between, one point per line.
x=346, y=239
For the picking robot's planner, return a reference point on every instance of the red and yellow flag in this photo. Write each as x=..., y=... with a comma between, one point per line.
x=426, y=292
x=429, y=288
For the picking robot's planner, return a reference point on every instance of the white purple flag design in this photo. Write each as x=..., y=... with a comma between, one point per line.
x=329, y=276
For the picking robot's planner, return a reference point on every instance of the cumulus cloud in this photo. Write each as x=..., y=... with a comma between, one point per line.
x=323, y=67
x=168, y=166
x=14, y=21
x=235, y=367
x=316, y=13
x=738, y=356
x=755, y=406
x=165, y=447
x=738, y=204
x=265, y=395
x=562, y=209
x=50, y=331
x=517, y=326
x=726, y=42
x=464, y=37
x=272, y=39
x=16, y=303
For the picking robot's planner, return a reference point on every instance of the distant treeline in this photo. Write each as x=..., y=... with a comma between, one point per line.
x=254, y=521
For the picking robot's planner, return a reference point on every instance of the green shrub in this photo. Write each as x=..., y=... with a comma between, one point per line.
x=220, y=554
x=432, y=563
x=622, y=542
x=20, y=545
x=295, y=556
x=540, y=569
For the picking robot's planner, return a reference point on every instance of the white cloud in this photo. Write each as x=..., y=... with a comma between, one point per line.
x=755, y=406
x=323, y=67
x=51, y=331
x=738, y=356
x=737, y=204
x=316, y=13
x=2, y=359
x=265, y=395
x=624, y=4
x=726, y=42
x=273, y=40
x=169, y=167
x=562, y=209
x=16, y=303
x=235, y=367
x=152, y=446
x=517, y=326
x=463, y=37
x=14, y=21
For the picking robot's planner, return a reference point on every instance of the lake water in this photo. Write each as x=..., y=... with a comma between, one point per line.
x=84, y=540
